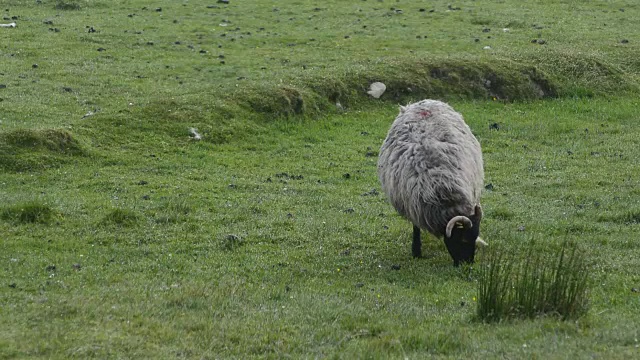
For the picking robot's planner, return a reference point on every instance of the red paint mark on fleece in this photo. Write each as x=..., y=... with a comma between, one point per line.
x=425, y=114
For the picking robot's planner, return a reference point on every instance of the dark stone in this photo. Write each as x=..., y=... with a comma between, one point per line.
x=395, y=267
x=373, y=192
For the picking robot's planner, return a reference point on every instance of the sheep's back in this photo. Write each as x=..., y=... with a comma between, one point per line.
x=430, y=165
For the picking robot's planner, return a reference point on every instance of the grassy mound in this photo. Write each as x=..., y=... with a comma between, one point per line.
x=536, y=285
x=28, y=213
x=121, y=217
x=29, y=149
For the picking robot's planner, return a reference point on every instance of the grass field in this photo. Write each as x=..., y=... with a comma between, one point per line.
x=122, y=237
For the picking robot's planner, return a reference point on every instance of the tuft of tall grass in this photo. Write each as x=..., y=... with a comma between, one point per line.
x=534, y=284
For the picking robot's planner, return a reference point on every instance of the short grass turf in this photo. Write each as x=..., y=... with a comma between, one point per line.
x=269, y=238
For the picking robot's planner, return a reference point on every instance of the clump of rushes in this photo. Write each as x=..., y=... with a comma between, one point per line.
x=534, y=285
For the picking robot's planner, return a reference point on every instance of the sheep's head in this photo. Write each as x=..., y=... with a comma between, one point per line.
x=462, y=237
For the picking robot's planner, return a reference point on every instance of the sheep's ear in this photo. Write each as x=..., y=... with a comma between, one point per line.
x=403, y=109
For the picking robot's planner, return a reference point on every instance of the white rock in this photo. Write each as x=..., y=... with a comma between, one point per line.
x=487, y=47
x=10, y=25
x=194, y=134
x=377, y=89
x=90, y=113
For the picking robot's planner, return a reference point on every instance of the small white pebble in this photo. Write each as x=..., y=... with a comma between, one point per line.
x=487, y=47
x=194, y=134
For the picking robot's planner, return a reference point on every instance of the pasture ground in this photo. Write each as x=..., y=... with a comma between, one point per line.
x=123, y=237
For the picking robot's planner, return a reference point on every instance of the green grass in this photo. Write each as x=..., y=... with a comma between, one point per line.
x=269, y=238
x=262, y=264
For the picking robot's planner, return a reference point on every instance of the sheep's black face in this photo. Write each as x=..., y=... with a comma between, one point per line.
x=462, y=243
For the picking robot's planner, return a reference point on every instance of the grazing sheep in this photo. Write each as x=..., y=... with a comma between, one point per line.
x=430, y=168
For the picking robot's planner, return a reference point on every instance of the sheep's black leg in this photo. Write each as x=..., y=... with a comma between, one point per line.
x=416, y=247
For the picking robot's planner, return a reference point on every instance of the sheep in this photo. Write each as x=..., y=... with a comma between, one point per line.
x=430, y=168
